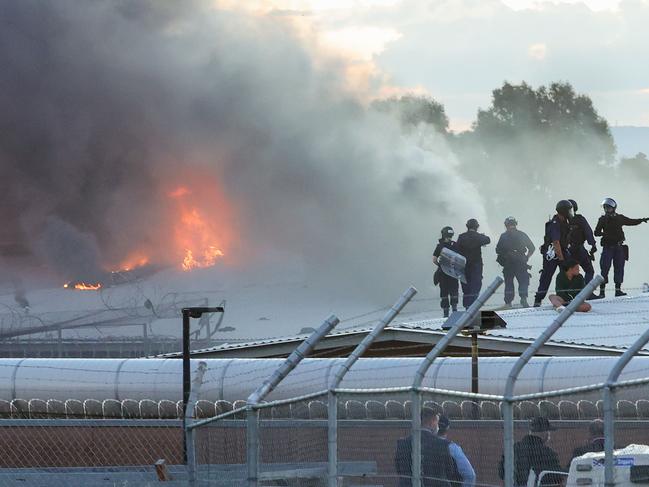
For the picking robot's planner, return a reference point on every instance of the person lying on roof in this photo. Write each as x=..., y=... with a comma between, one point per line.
x=568, y=284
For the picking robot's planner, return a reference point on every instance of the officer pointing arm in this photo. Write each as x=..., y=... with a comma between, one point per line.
x=614, y=251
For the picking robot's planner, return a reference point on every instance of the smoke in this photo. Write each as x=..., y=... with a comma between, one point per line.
x=71, y=253
x=104, y=105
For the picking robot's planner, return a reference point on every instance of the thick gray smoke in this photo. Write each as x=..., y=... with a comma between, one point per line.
x=103, y=104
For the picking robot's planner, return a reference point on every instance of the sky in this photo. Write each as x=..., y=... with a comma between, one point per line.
x=458, y=51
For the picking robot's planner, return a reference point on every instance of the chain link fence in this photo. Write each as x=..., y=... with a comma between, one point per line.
x=353, y=432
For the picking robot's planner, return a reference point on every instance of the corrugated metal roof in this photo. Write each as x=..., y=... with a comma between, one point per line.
x=612, y=323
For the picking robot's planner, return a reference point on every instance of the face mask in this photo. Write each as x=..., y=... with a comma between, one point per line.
x=435, y=429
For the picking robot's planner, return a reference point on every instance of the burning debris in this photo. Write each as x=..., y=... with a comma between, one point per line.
x=82, y=286
x=208, y=259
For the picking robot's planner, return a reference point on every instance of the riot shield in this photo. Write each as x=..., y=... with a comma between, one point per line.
x=452, y=264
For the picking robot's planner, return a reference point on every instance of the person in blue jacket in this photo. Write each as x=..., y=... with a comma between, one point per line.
x=580, y=233
x=464, y=472
x=554, y=248
x=614, y=250
x=448, y=286
x=514, y=248
x=469, y=244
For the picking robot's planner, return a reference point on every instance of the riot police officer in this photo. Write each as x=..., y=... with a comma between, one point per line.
x=614, y=251
x=514, y=248
x=554, y=248
x=581, y=232
x=448, y=286
x=470, y=245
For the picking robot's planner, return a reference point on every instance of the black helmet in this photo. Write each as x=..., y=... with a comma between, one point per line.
x=564, y=207
x=610, y=202
x=447, y=232
x=574, y=205
x=510, y=221
x=472, y=224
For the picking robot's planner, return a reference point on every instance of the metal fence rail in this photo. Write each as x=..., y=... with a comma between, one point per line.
x=349, y=433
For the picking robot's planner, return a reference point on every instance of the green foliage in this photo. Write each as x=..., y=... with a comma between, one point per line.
x=635, y=168
x=413, y=110
x=519, y=114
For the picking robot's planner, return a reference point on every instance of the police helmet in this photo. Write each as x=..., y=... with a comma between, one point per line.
x=510, y=221
x=472, y=224
x=610, y=202
x=447, y=232
x=574, y=205
x=564, y=208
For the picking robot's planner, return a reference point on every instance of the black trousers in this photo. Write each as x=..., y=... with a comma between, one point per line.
x=518, y=271
x=448, y=291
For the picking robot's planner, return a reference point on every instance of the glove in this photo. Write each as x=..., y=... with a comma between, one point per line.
x=645, y=220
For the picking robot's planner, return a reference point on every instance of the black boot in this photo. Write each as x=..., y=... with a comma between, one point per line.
x=445, y=312
x=618, y=291
x=602, y=291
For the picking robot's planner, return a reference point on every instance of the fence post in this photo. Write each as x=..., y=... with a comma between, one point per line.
x=361, y=348
x=441, y=345
x=507, y=404
x=608, y=397
x=252, y=412
x=190, y=434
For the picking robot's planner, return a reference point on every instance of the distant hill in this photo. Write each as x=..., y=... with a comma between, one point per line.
x=631, y=140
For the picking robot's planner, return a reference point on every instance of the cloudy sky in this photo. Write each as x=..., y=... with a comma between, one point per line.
x=459, y=50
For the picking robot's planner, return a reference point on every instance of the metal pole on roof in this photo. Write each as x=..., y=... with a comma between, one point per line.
x=252, y=412
x=608, y=400
x=361, y=348
x=507, y=404
x=466, y=318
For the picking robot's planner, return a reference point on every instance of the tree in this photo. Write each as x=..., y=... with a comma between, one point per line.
x=413, y=110
x=635, y=168
x=534, y=146
x=519, y=114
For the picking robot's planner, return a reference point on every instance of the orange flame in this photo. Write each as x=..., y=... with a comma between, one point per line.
x=199, y=239
x=132, y=262
x=82, y=286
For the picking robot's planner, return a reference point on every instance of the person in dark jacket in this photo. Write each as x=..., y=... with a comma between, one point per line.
x=580, y=233
x=569, y=283
x=437, y=465
x=554, y=248
x=532, y=453
x=596, y=443
x=469, y=244
x=514, y=248
x=448, y=286
x=614, y=251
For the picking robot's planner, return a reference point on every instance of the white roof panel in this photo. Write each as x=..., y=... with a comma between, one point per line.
x=613, y=322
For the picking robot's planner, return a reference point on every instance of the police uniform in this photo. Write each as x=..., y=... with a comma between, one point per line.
x=609, y=227
x=512, y=250
x=448, y=286
x=557, y=228
x=469, y=244
x=581, y=232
